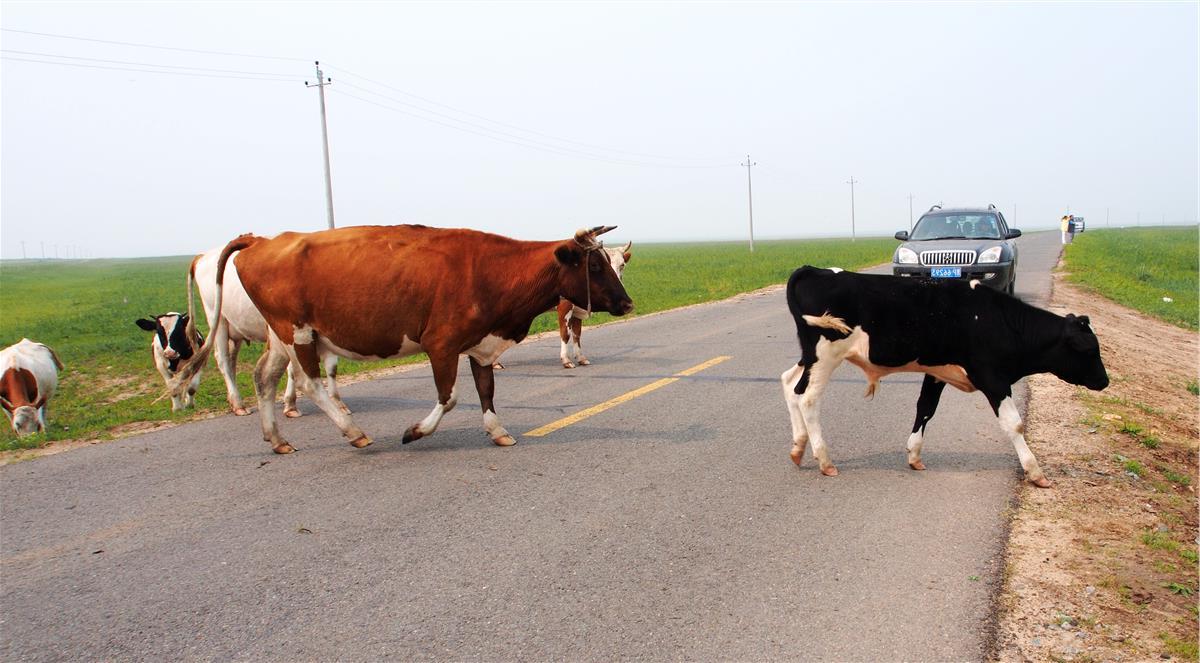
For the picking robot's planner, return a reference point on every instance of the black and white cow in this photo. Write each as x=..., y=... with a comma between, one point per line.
x=175, y=340
x=956, y=333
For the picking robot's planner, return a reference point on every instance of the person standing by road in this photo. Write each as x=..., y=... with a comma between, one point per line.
x=1066, y=229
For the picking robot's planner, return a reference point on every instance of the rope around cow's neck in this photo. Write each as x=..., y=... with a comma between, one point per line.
x=587, y=272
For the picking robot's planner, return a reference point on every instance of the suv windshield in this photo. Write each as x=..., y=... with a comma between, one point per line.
x=957, y=226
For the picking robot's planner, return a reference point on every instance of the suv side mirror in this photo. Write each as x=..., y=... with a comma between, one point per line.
x=903, y=235
x=1013, y=233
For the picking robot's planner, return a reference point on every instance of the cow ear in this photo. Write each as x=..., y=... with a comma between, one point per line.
x=569, y=254
x=1083, y=319
x=148, y=325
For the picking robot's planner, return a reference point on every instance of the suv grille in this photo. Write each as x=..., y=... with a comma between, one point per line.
x=950, y=258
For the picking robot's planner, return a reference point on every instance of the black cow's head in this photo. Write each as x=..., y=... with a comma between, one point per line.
x=1077, y=355
x=171, y=337
x=588, y=279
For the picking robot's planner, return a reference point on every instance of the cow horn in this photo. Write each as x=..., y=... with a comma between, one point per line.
x=586, y=237
x=628, y=245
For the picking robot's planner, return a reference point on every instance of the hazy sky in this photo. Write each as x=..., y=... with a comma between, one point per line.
x=533, y=119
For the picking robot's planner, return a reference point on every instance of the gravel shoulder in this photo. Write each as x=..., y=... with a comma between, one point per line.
x=1103, y=566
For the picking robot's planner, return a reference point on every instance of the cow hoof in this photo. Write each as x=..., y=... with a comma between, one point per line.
x=497, y=366
x=283, y=448
x=291, y=413
x=830, y=471
x=344, y=408
x=1040, y=482
x=411, y=435
x=584, y=362
x=240, y=412
x=361, y=442
x=567, y=364
x=505, y=441
x=917, y=465
x=797, y=456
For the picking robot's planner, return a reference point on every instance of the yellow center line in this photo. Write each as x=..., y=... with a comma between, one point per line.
x=627, y=396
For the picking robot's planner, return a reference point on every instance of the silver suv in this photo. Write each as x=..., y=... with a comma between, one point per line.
x=960, y=243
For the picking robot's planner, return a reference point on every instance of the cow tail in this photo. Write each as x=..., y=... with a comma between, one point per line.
x=190, y=331
x=178, y=383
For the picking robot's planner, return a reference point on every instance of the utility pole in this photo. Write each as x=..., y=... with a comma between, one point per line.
x=910, y=197
x=750, y=197
x=320, y=85
x=852, y=183
x=1107, y=221
x=22, y=249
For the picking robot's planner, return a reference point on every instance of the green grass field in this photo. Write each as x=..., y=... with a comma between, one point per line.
x=1138, y=267
x=85, y=310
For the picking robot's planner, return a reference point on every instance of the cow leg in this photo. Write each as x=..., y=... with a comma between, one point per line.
x=564, y=334
x=445, y=371
x=789, y=379
x=1010, y=421
x=42, y=418
x=485, y=384
x=931, y=393
x=227, y=352
x=289, y=393
x=309, y=375
x=819, y=371
x=270, y=367
x=189, y=399
x=576, y=328
x=330, y=361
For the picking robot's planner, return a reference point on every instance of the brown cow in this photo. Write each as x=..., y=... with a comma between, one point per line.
x=374, y=292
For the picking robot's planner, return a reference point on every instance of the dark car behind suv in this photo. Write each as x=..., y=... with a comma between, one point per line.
x=960, y=243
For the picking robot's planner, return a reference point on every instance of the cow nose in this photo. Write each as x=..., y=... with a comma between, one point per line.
x=170, y=354
x=626, y=307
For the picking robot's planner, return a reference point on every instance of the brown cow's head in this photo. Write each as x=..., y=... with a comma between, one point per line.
x=588, y=279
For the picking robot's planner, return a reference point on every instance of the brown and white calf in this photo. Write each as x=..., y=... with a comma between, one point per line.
x=372, y=292
x=175, y=341
x=973, y=338
x=571, y=316
x=28, y=378
x=243, y=324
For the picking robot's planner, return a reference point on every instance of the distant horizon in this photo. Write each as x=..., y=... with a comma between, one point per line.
x=713, y=240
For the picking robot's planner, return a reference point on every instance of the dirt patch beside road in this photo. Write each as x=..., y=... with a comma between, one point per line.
x=1103, y=566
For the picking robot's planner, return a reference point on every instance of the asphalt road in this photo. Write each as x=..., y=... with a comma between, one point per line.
x=671, y=526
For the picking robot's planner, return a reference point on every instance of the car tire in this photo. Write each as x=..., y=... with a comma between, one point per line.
x=1012, y=286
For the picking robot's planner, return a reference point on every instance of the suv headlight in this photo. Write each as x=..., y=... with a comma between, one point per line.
x=905, y=256
x=991, y=255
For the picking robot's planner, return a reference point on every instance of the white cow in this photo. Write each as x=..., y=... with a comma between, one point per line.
x=28, y=378
x=243, y=323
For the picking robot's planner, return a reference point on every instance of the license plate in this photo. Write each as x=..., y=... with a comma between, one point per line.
x=946, y=272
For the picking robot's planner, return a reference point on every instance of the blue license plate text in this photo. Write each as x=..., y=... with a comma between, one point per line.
x=946, y=272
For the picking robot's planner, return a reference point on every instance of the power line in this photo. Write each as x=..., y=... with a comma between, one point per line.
x=497, y=122
x=146, y=71
x=521, y=138
x=522, y=142
x=143, y=64
x=165, y=48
